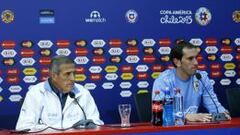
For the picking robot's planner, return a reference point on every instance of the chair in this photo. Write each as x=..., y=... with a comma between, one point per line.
x=233, y=99
x=143, y=106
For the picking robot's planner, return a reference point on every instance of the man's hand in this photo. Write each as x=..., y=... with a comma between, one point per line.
x=227, y=115
x=202, y=117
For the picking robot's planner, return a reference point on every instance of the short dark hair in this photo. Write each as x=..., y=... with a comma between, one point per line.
x=57, y=61
x=177, y=50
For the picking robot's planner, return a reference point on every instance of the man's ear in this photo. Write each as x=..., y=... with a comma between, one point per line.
x=177, y=62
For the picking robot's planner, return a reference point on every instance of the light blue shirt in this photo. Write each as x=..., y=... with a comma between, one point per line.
x=192, y=90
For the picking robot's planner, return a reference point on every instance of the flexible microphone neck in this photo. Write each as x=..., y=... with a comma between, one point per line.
x=72, y=95
x=199, y=77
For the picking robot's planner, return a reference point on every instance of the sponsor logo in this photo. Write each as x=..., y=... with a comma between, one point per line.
x=98, y=51
x=8, y=53
x=95, y=69
x=211, y=57
x=13, y=71
x=157, y=68
x=199, y=58
x=45, y=60
x=131, y=16
x=1, y=80
x=238, y=49
x=95, y=77
x=216, y=74
x=30, y=79
x=111, y=69
x=164, y=50
x=80, y=70
x=90, y=86
x=202, y=67
x=81, y=43
x=7, y=16
x=81, y=51
x=238, y=57
x=1, y=98
x=13, y=79
x=236, y=16
x=196, y=41
x=126, y=93
x=81, y=60
x=216, y=66
x=27, y=44
x=95, y=17
x=132, y=59
x=164, y=42
x=8, y=44
x=125, y=85
x=225, y=81
x=45, y=44
x=115, y=59
x=29, y=71
x=132, y=51
x=237, y=41
x=149, y=59
x=27, y=53
x=142, y=76
x=115, y=43
x=226, y=49
x=98, y=60
x=211, y=50
x=230, y=73
x=80, y=77
x=211, y=41
x=203, y=16
x=27, y=61
x=143, y=84
x=165, y=58
x=45, y=52
x=127, y=69
x=176, y=16
x=142, y=68
x=111, y=76
x=63, y=51
x=238, y=81
x=226, y=57
x=226, y=41
x=115, y=51
x=127, y=76
x=44, y=71
x=132, y=42
x=46, y=16
x=229, y=66
x=108, y=85
x=15, y=88
x=9, y=61
x=15, y=98
x=148, y=50
x=98, y=43
x=63, y=43
x=148, y=42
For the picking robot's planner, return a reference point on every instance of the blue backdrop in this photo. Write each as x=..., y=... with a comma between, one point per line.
x=120, y=46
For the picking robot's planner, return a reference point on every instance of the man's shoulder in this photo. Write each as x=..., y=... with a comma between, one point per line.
x=167, y=73
x=78, y=88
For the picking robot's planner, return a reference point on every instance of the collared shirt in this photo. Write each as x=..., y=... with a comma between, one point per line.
x=62, y=96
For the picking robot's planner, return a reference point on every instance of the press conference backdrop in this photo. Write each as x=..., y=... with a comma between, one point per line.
x=119, y=47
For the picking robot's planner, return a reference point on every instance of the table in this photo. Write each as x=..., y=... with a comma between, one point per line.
x=222, y=128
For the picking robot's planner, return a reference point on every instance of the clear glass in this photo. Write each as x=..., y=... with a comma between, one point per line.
x=125, y=111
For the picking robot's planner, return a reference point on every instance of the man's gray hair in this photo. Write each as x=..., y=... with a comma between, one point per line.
x=57, y=61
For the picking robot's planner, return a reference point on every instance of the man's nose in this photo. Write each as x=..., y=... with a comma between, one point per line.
x=72, y=76
x=195, y=62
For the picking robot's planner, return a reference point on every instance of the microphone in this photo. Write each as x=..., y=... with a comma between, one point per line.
x=215, y=116
x=86, y=123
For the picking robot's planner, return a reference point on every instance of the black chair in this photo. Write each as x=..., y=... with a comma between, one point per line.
x=143, y=106
x=233, y=99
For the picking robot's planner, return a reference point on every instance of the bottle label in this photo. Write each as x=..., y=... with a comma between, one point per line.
x=157, y=107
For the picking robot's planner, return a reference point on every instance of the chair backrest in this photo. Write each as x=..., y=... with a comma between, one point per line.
x=143, y=105
x=233, y=98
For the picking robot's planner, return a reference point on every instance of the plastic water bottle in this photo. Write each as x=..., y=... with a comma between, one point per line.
x=157, y=109
x=168, y=109
x=178, y=108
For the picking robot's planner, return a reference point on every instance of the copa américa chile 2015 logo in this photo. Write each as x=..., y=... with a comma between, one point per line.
x=203, y=16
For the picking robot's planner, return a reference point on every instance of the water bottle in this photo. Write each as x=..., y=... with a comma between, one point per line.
x=168, y=109
x=178, y=108
x=157, y=109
